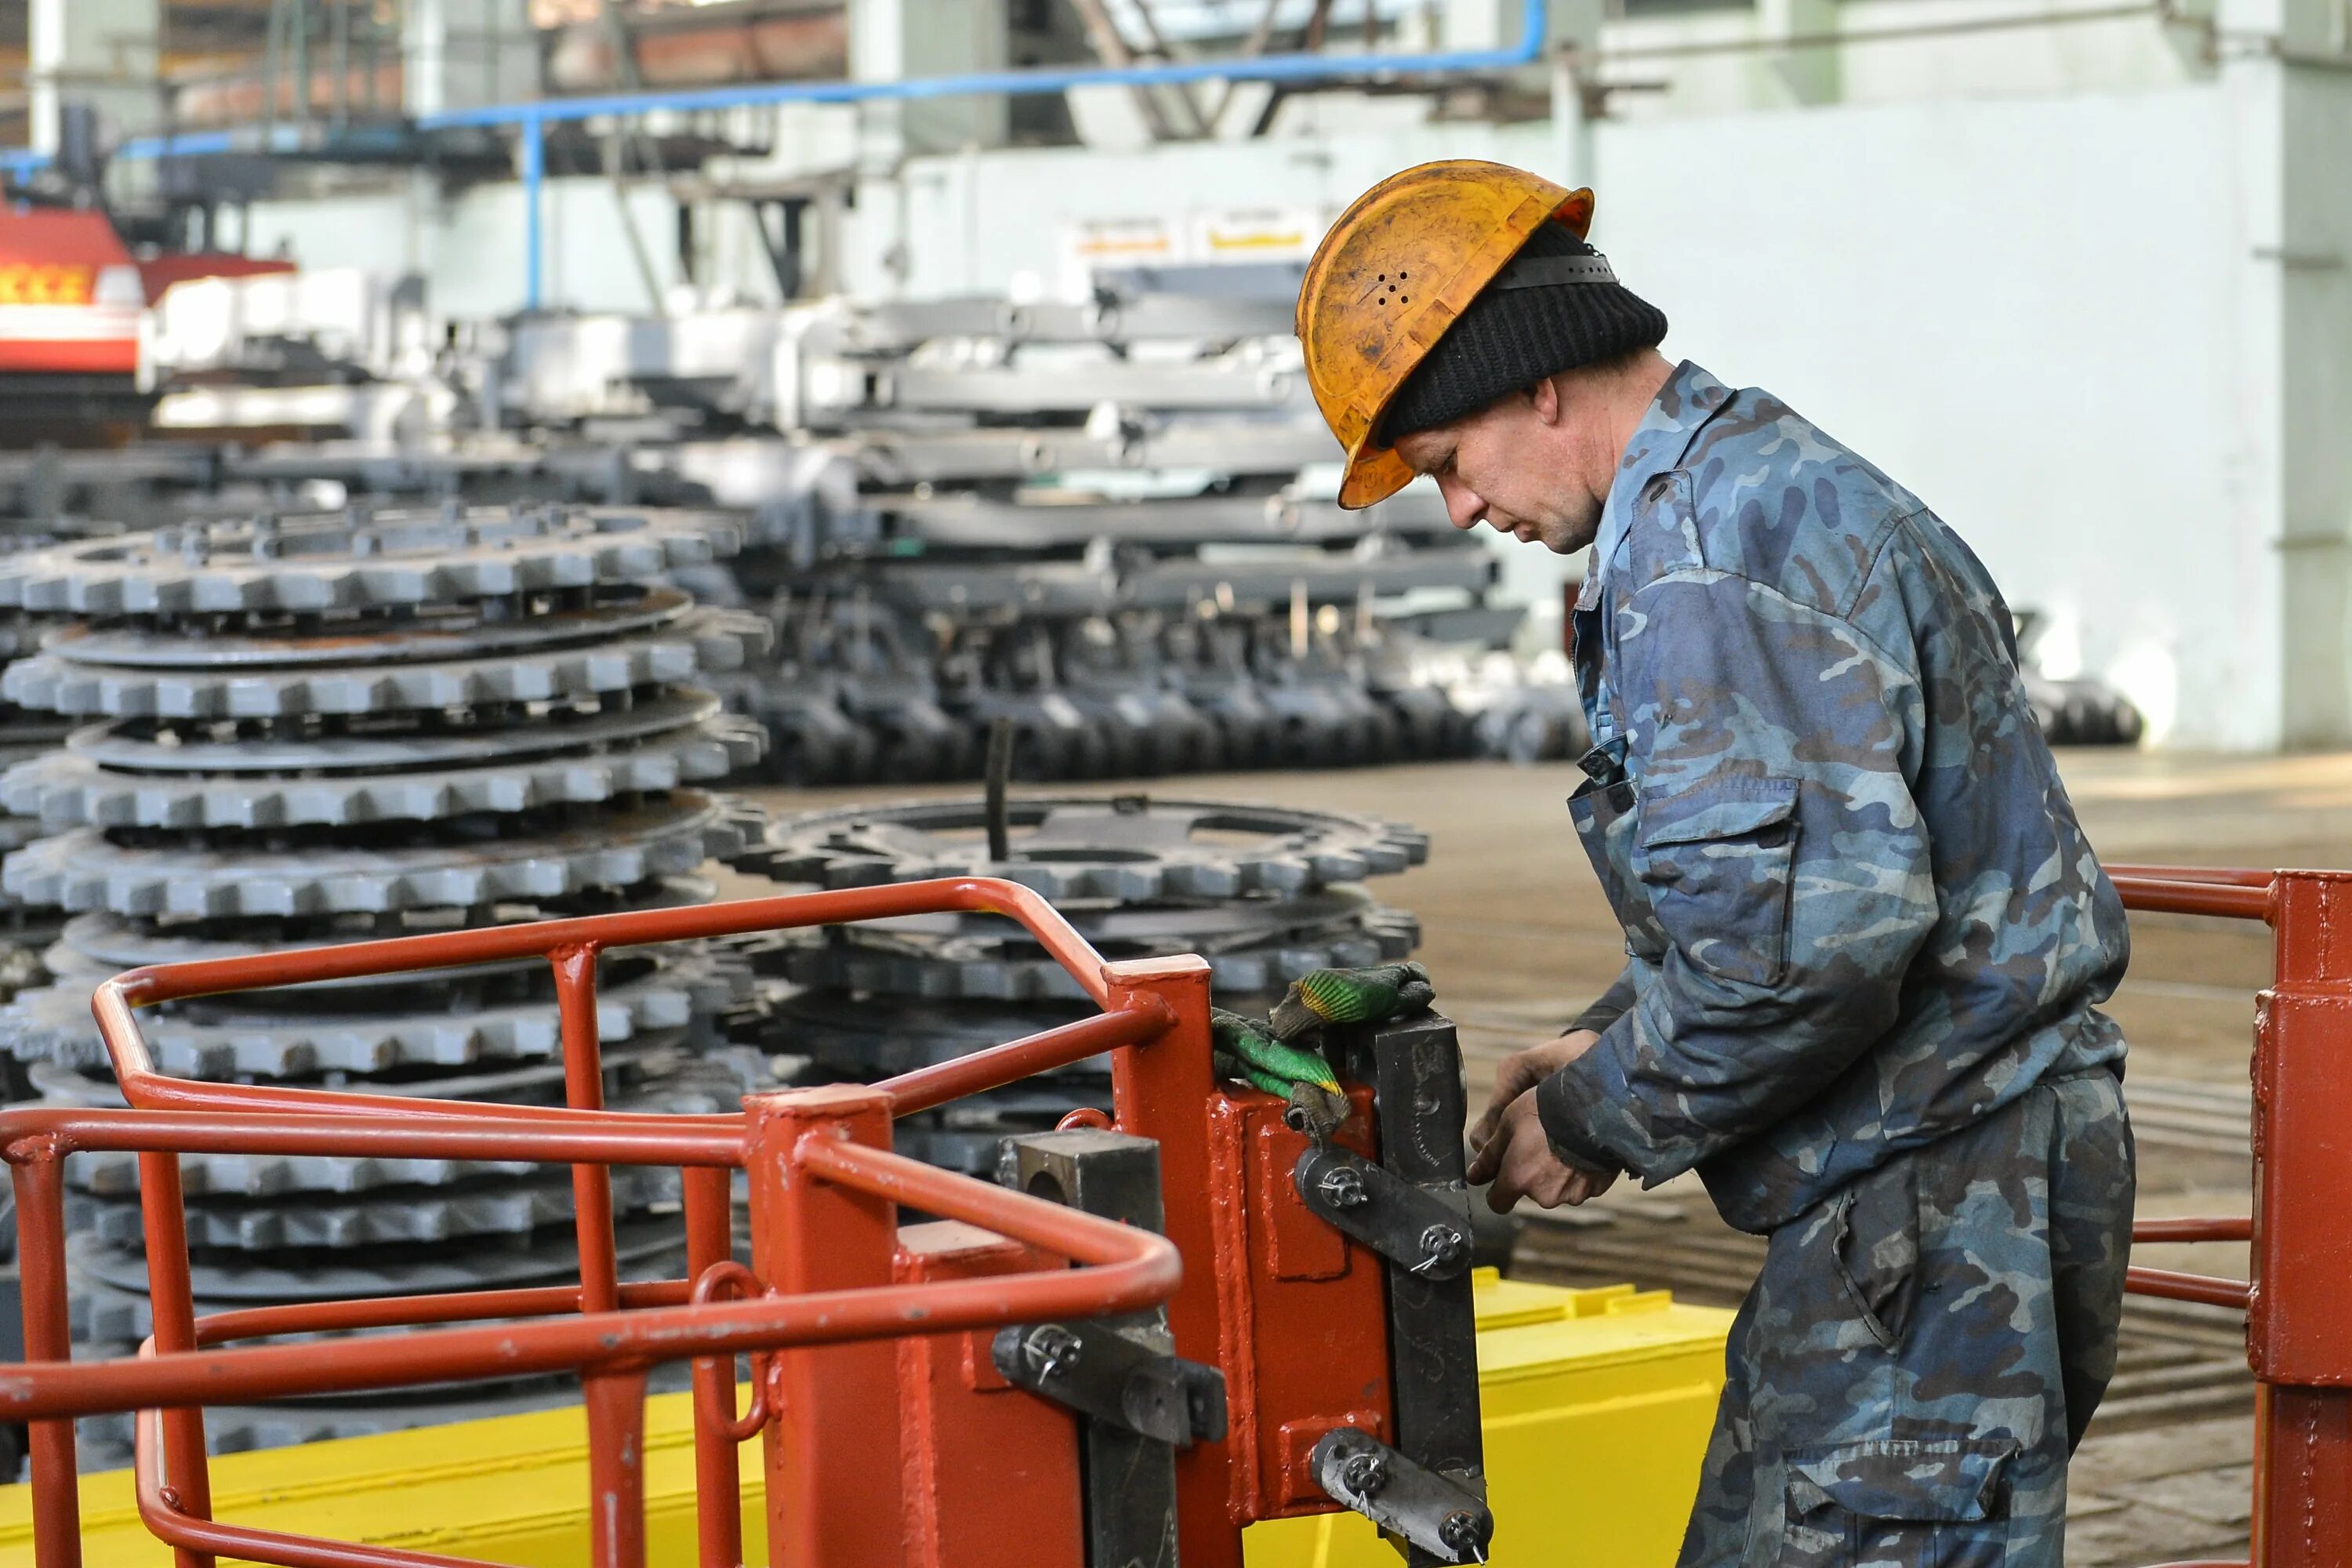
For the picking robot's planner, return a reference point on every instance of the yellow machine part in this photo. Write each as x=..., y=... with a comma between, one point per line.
x=1597, y=1405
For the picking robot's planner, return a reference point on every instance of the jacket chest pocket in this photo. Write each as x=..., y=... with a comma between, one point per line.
x=1717, y=861
x=1606, y=822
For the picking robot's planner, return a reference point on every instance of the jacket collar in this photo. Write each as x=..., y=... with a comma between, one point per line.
x=1690, y=397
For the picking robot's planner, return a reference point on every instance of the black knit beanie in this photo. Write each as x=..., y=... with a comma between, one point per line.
x=1520, y=330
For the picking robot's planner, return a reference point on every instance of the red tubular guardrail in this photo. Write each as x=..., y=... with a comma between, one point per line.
x=799, y=1147
x=2239, y=894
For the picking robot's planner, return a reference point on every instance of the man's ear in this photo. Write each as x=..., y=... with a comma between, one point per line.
x=1545, y=396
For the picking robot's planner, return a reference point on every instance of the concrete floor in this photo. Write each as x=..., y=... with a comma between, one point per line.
x=1518, y=938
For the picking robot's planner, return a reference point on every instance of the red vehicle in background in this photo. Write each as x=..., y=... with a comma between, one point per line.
x=71, y=298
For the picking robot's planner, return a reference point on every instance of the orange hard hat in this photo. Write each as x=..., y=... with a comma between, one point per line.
x=1397, y=269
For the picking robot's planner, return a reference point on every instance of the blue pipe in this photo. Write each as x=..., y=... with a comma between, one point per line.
x=1291, y=68
x=534, y=176
x=534, y=115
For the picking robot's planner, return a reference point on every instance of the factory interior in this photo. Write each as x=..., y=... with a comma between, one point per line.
x=466, y=464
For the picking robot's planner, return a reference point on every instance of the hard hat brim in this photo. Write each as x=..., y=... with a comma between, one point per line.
x=1374, y=474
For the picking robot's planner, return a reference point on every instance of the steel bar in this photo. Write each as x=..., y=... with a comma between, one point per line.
x=707, y=1202
x=2163, y=894
x=927, y=1088
x=39, y=1185
x=584, y=1089
x=489, y=1133
x=616, y=1401
x=634, y=927
x=2212, y=1291
x=413, y=1311
x=2224, y=1227
x=172, y=1300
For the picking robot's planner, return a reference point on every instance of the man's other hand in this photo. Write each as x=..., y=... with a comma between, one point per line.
x=1521, y=1071
x=1518, y=1160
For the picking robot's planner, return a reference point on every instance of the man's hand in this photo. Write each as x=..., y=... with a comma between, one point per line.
x=1517, y=1159
x=1521, y=1071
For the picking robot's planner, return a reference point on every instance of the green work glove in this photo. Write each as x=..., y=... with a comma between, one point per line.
x=1351, y=997
x=1245, y=1049
x=1264, y=1060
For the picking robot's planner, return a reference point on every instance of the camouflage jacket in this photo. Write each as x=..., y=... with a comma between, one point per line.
x=1859, y=911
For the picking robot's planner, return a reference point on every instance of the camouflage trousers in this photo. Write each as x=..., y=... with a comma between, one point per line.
x=1923, y=1350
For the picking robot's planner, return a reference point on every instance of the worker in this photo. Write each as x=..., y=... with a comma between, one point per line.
x=1865, y=939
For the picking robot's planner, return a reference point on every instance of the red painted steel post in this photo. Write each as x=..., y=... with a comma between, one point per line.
x=1161, y=1091
x=616, y=1468
x=2298, y=1334
x=41, y=1262
x=171, y=1302
x=615, y=1400
x=718, y=1477
x=835, y=1493
x=584, y=1089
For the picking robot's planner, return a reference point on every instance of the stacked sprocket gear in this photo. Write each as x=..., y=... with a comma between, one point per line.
x=27, y=929
x=287, y=732
x=1265, y=894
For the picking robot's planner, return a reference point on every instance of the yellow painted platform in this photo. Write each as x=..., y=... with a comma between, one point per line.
x=1597, y=1407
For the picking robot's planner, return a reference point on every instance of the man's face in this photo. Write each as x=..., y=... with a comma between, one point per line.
x=1507, y=466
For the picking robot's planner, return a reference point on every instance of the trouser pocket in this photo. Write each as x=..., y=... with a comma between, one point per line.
x=1898, y=1504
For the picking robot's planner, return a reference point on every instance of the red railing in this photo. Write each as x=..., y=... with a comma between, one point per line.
x=823, y=1186
x=2299, y=1317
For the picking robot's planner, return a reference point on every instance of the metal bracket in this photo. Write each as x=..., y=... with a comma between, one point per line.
x=1130, y=1478
x=1391, y=1215
x=1414, y=1066
x=1433, y=1513
x=1108, y=1377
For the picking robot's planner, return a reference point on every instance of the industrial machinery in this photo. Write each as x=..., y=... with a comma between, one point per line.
x=1114, y=522
x=338, y=727
x=1311, y=1349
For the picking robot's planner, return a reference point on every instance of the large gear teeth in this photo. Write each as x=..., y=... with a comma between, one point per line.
x=713, y=640
x=54, y=1024
x=1130, y=849
x=86, y=870
x=312, y=565
x=510, y=1208
x=66, y=790
x=954, y=972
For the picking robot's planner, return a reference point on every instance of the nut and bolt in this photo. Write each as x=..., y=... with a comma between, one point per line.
x=1051, y=1350
x=1364, y=1473
x=1342, y=1187
x=1442, y=1247
x=1465, y=1536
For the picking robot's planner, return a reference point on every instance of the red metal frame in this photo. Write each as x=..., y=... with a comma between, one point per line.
x=833, y=1310
x=2298, y=1331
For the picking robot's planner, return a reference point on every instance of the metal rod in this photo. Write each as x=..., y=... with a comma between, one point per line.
x=492, y=1132
x=171, y=1300
x=709, y=1205
x=584, y=1089
x=41, y=1262
x=926, y=1088
x=2227, y=1228
x=2235, y=1294
x=616, y=1401
x=998, y=774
